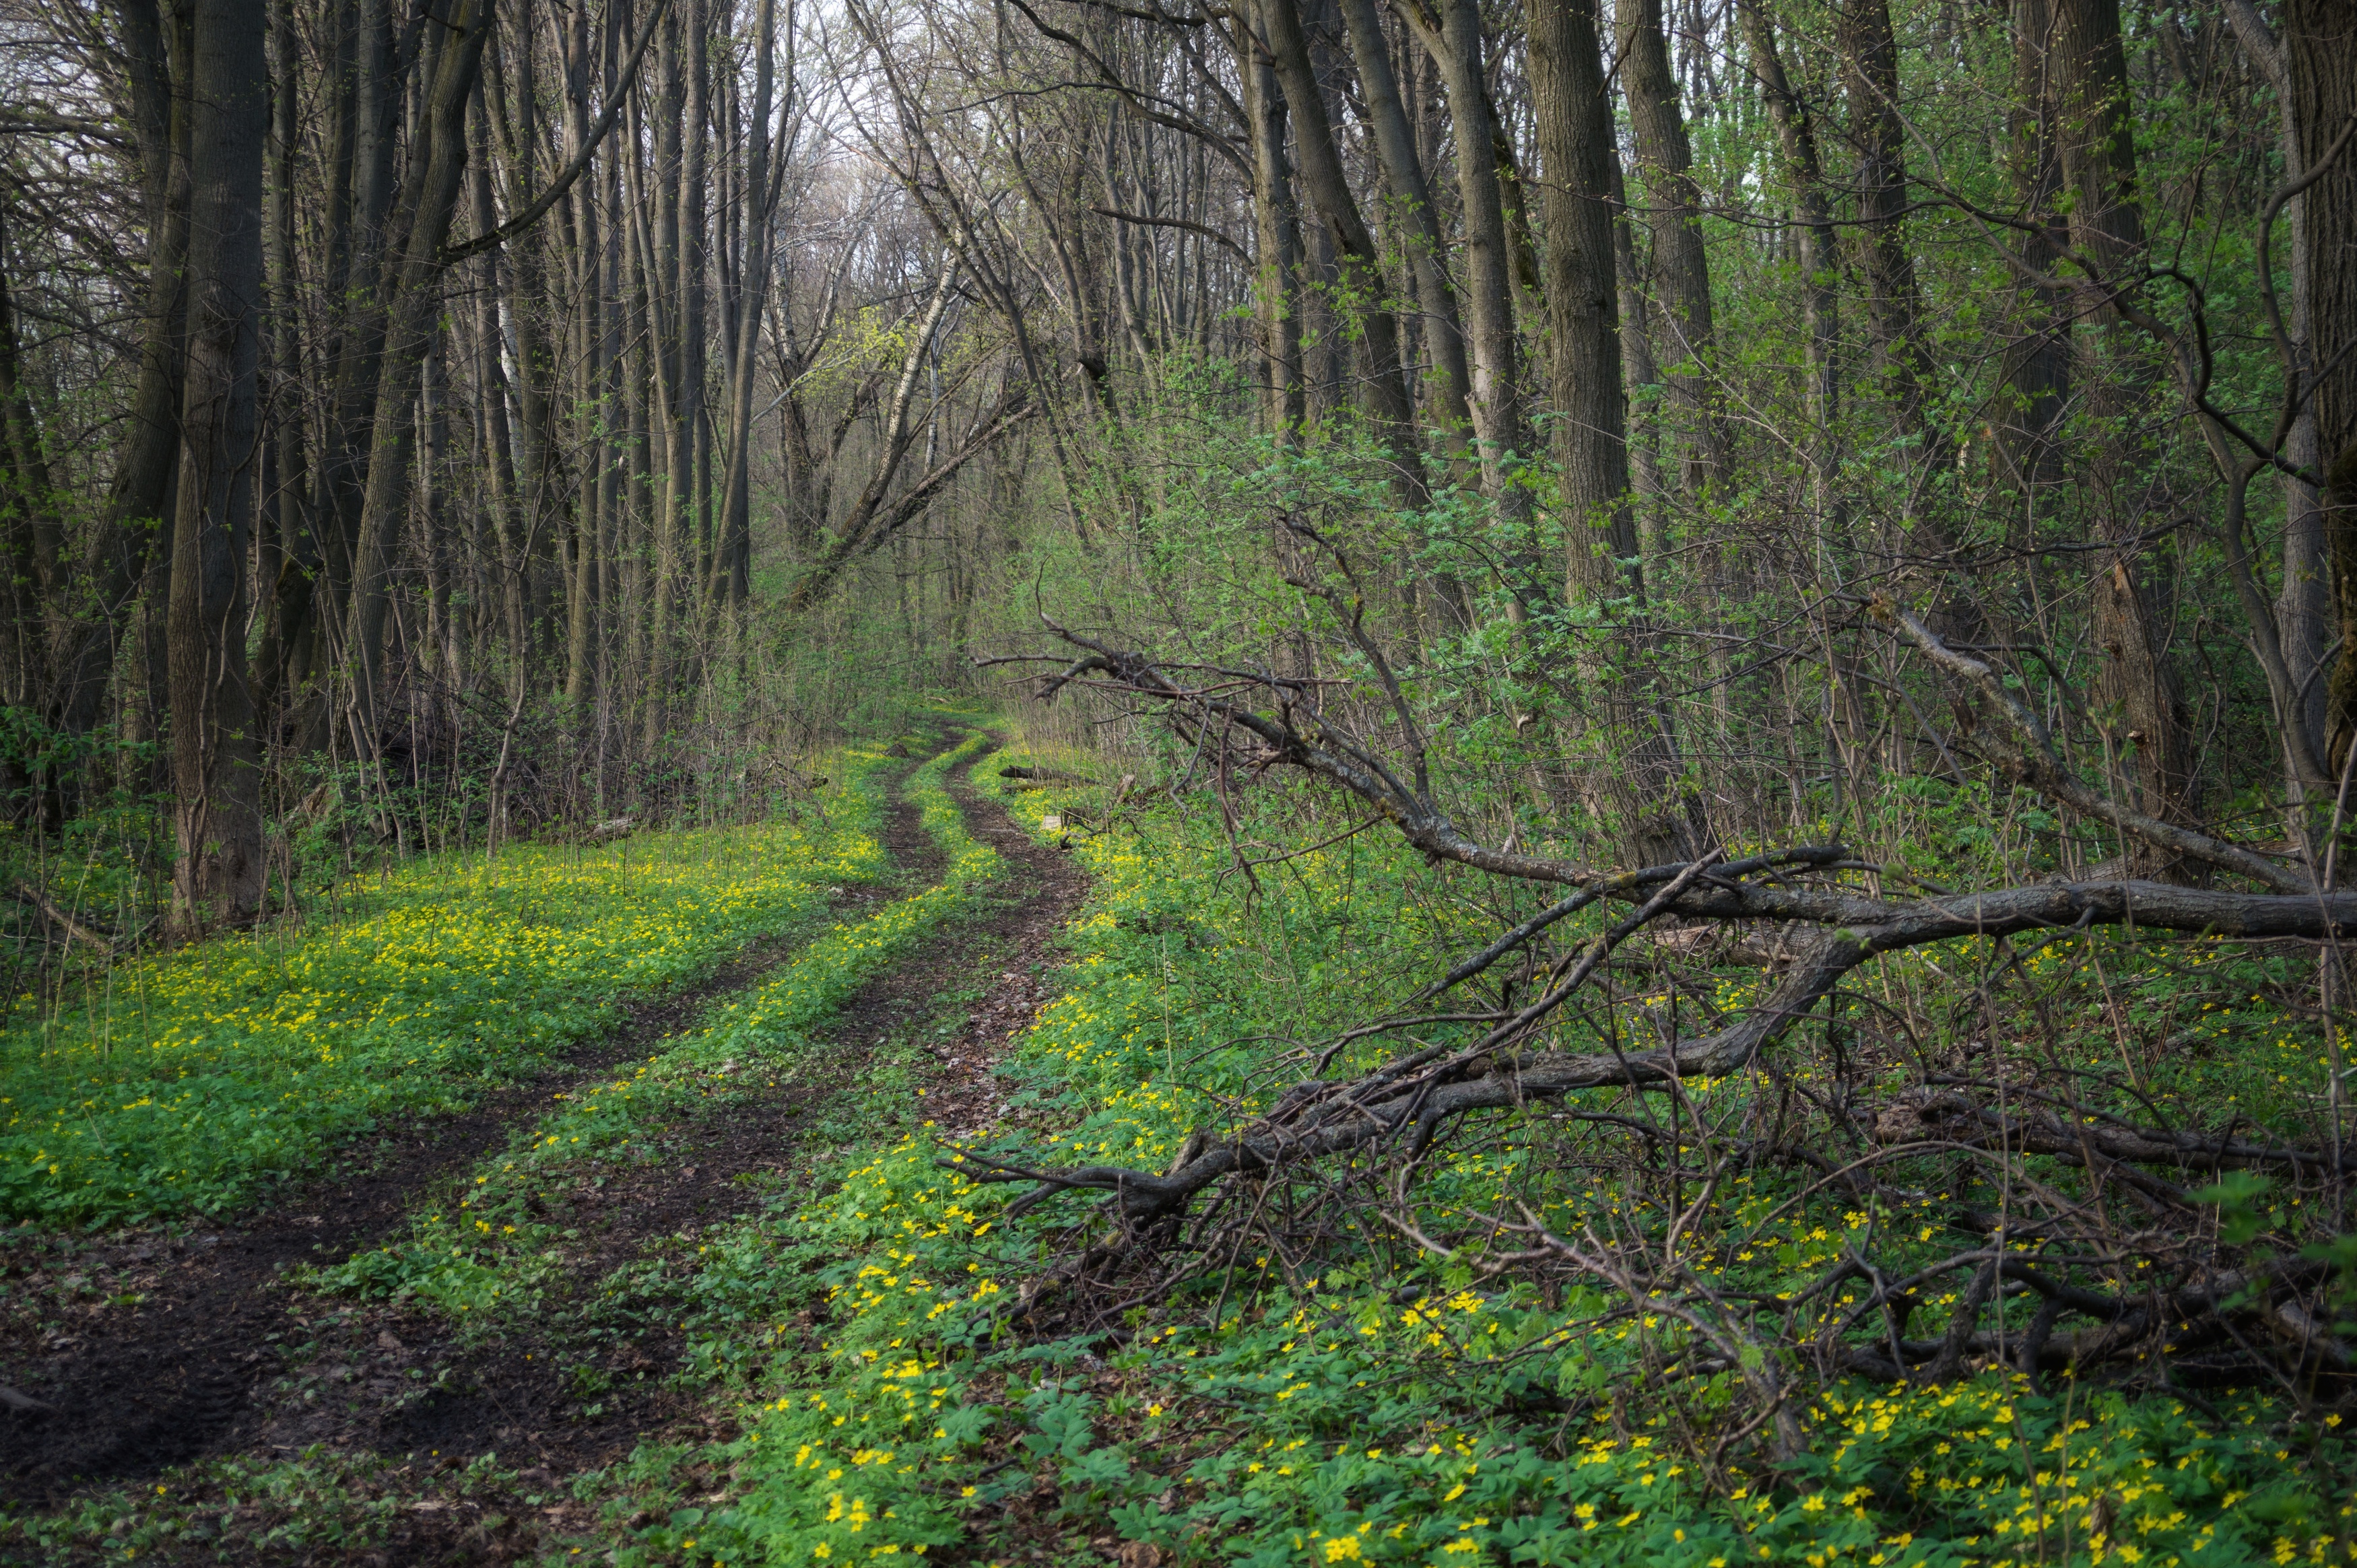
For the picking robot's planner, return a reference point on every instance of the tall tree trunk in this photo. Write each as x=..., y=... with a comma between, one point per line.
x=140, y=500
x=217, y=880
x=32, y=597
x=430, y=196
x=2321, y=47
x=2038, y=362
x=1357, y=262
x=1574, y=136
x=1796, y=141
x=1575, y=140
x=1673, y=211
x=1426, y=249
x=1454, y=43
x=1870, y=53
x=296, y=545
x=666, y=295
x=358, y=272
x=1640, y=379
x=754, y=267
x=695, y=260
x=2097, y=148
x=1277, y=231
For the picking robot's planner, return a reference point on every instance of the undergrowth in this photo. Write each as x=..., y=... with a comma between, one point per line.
x=186, y=1081
x=1371, y=1402
x=883, y=1335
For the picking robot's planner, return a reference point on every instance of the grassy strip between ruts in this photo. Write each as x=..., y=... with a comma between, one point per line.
x=489, y=1251
x=1324, y=1420
x=192, y=1079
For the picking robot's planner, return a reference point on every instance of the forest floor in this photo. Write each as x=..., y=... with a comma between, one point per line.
x=177, y=1349
x=716, y=1292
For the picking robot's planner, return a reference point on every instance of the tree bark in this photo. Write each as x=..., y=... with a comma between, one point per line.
x=2321, y=47
x=1454, y=40
x=1427, y=249
x=1357, y=262
x=1575, y=140
x=1674, y=212
x=1870, y=53
x=2098, y=166
x=754, y=271
x=430, y=198
x=139, y=503
x=2037, y=364
x=1796, y=141
x=217, y=880
x=2304, y=608
x=1277, y=224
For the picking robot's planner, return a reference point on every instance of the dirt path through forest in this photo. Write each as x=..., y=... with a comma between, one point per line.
x=219, y=1357
x=136, y=1389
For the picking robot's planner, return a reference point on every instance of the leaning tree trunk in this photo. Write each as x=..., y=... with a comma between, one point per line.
x=1357, y=263
x=1418, y=219
x=216, y=817
x=438, y=170
x=1277, y=230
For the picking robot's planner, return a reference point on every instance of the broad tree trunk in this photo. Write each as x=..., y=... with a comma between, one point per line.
x=1574, y=136
x=1869, y=54
x=217, y=880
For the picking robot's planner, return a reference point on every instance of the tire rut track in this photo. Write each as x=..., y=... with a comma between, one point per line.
x=347, y=1378
x=136, y=1391
x=518, y=1396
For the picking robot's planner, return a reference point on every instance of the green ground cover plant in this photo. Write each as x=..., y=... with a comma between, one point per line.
x=186, y=1081
x=488, y=1251
x=1373, y=1401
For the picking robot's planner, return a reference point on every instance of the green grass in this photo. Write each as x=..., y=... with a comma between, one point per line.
x=187, y=1081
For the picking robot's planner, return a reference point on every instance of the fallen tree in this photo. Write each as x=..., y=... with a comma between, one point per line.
x=1358, y=1141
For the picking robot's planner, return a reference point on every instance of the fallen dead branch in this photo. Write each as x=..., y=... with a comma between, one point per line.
x=2099, y=1221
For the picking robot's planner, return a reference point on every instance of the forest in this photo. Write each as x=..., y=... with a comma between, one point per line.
x=1204, y=781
